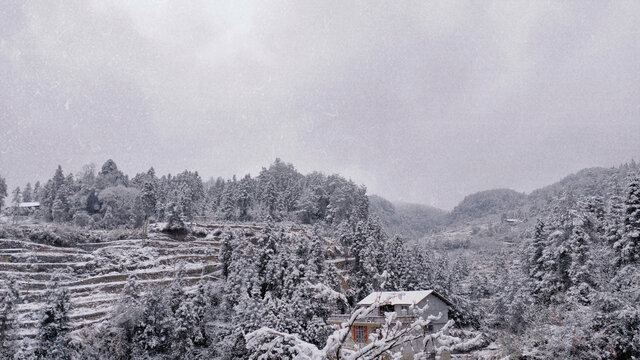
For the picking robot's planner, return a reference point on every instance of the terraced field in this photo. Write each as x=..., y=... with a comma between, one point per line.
x=95, y=273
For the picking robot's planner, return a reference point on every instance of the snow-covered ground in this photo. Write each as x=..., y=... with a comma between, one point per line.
x=95, y=273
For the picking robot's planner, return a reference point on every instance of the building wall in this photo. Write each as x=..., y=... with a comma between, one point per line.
x=436, y=306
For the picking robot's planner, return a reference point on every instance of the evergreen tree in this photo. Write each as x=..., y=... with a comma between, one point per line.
x=9, y=299
x=579, y=269
x=16, y=199
x=156, y=327
x=52, y=340
x=27, y=193
x=109, y=176
x=93, y=203
x=226, y=253
x=36, y=191
x=535, y=261
x=58, y=209
x=396, y=265
x=244, y=198
x=200, y=306
x=148, y=199
x=3, y=191
x=175, y=221
x=228, y=201
x=628, y=247
x=148, y=202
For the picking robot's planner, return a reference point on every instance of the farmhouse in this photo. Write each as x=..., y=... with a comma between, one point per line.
x=31, y=205
x=404, y=304
x=27, y=208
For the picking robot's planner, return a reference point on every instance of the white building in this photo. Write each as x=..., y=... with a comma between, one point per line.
x=404, y=304
x=31, y=205
x=27, y=208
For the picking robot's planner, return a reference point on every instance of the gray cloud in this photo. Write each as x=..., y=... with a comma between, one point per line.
x=420, y=101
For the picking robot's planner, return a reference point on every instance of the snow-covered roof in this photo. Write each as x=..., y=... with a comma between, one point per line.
x=29, y=204
x=399, y=297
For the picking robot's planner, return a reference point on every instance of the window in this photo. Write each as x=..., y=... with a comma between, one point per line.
x=360, y=334
x=385, y=309
x=428, y=329
x=404, y=308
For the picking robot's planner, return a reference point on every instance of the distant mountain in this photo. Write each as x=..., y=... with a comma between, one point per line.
x=409, y=220
x=596, y=181
x=488, y=202
x=415, y=221
x=590, y=182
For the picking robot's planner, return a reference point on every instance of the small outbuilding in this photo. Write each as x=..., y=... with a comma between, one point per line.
x=27, y=208
x=30, y=205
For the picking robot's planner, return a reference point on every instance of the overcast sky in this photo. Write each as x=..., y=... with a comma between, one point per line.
x=420, y=101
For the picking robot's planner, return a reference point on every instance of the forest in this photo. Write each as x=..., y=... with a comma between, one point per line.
x=293, y=249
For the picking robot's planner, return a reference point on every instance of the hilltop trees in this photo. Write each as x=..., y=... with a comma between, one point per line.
x=27, y=193
x=16, y=199
x=582, y=262
x=54, y=200
x=109, y=175
x=109, y=199
x=148, y=202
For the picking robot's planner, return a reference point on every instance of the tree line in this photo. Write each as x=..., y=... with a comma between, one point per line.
x=109, y=198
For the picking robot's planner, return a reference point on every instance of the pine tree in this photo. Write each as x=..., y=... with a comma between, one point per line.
x=579, y=270
x=628, y=246
x=536, y=249
x=27, y=193
x=36, y=191
x=185, y=329
x=9, y=299
x=201, y=305
x=149, y=202
x=109, y=176
x=58, y=209
x=396, y=264
x=16, y=199
x=307, y=205
x=3, y=191
x=53, y=334
x=175, y=222
x=116, y=342
x=228, y=201
x=156, y=326
x=244, y=198
x=270, y=197
x=226, y=253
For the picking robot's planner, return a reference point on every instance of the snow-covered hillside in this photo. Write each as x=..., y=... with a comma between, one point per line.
x=95, y=273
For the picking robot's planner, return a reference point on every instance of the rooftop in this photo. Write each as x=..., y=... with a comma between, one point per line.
x=29, y=204
x=399, y=297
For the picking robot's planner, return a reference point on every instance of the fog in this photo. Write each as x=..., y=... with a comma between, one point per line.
x=422, y=102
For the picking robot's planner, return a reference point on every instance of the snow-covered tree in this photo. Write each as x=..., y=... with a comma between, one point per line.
x=628, y=246
x=175, y=220
x=267, y=343
x=27, y=193
x=3, y=191
x=9, y=299
x=16, y=199
x=226, y=253
x=52, y=341
x=37, y=189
